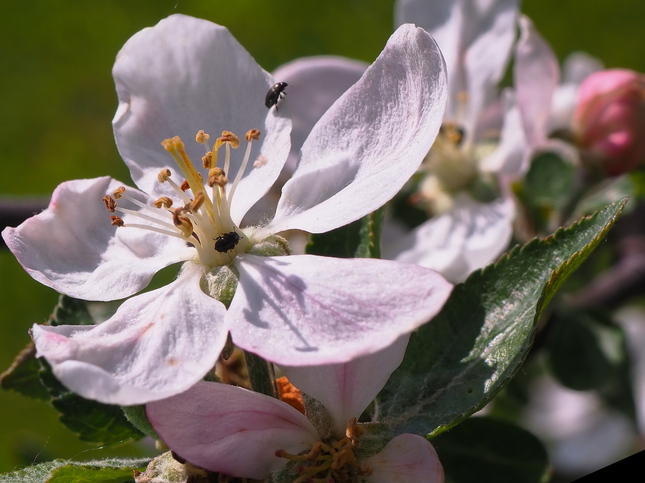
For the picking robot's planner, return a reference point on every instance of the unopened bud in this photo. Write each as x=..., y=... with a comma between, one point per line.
x=609, y=120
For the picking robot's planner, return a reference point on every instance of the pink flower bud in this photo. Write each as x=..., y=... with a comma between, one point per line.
x=610, y=120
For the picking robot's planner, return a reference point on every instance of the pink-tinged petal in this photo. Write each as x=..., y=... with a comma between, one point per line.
x=347, y=389
x=73, y=248
x=230, y=430
x=304, y=310
x=187, y=74
x=536, y=74
x=156, y=345
x=314, y=85
x=475, y=38
x=369, y=143
x=511, y=158
x=408, y=458
x=468, y=237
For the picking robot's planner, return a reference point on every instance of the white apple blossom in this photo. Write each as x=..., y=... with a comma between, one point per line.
x=481, y=142
x=230, y=430
x=173, y=80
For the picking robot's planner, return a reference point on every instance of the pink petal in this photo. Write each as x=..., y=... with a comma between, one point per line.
x=369, y=143
x=315, y=83
x=468, y=237
x=187, y=74
x=347, y=389
x=157, y=344
x=536, y=77
x=231, y=430
x=72, y=247
x=408, y=458
x=309, y=310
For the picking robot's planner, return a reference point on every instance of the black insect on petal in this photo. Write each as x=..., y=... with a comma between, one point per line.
x=275, y=94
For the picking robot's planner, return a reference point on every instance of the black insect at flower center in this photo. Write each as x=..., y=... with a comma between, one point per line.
x=227, y=241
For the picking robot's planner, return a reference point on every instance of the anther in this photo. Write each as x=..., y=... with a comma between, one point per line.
x=110, y=204
x=163, y=175
x=118, y=192
x=116, y=221
x=252, y=134
x=202, y=137
x=164, y=201
x=181, y=222
x=185, y=186
x=217, y=176
x=207, y=159
x=228, y=137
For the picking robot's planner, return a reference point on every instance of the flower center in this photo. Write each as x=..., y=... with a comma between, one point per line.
x=330, y=462
x=200, y=214
x=451, y=166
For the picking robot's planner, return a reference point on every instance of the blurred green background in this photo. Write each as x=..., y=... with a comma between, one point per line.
x=58, y=99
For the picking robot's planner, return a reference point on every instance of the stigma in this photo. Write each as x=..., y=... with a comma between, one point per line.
x=198, y=211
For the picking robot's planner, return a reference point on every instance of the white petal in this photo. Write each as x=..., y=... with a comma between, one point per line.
x=187, y=74
x=314, y=85
x=72, y=247
x=511, y=158
x=470, y=236
x=347, y=389
x=536, y=74
x=475, y=38
x=369, y=143
x=156, y=345
x=408, y=458
x=308, y=310
x=231, y=430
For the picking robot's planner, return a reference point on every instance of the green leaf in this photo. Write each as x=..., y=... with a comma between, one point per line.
x=70, y=311
x=546, y=189
x=470, y=350
x=360, y=239
x=489, y=451
x=61, y=471
x=91, y=420
x=23, y=376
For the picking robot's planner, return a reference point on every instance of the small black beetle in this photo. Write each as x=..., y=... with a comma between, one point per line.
x=275, y=94
x=227, y=241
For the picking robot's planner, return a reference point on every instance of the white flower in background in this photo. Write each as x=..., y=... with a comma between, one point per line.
x=173, y=80
x=480, y=145
x=240, y=433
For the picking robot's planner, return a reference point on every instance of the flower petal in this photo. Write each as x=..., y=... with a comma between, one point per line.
x=369, y=143
x=187, y=74
x=309, y=310
x=536, y=74
x=316, y=83
x=408, y=458
x=466, y=238
x=156, y=345
x=475, y=39
x=347, y=389
x=230, y=430
x=72, y=248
